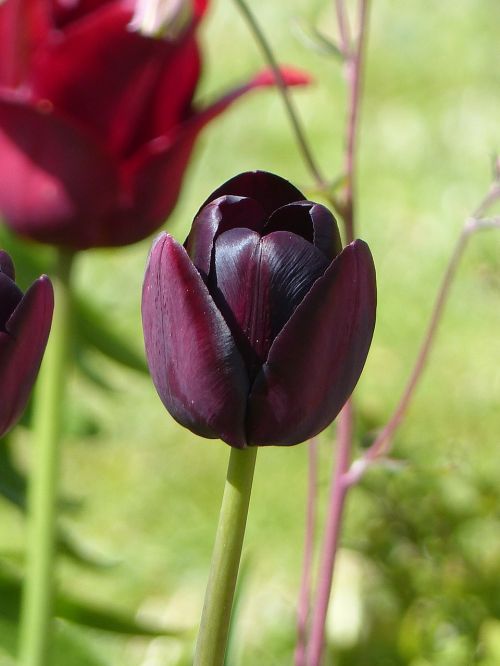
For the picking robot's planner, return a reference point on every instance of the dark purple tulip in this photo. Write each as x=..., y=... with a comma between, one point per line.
x=24, y=329
x=97, y=120
x=257, y=330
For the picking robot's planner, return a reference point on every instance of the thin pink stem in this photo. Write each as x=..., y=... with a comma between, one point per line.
x=382, y=444
x=331, y=538
x=310, y=161
x=290, y=109
x=345, y=427
x=491, y=197
x=354, y=74
x=343, y=23
x=305, y=587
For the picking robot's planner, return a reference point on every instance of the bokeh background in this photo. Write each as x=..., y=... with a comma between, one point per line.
x=418, y=581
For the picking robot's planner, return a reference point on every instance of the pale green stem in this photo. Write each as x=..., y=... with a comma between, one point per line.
x=36, y=615
x=298, y=130
x=214, y=627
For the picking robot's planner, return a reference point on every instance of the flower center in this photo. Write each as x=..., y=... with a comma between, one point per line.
x=257, y=282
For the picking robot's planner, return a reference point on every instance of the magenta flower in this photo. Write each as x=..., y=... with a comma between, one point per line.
x=97, y=121
x=257, y=330
x=24, y=329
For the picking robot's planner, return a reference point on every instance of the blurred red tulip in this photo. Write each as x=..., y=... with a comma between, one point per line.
x=24, y=329
x=258, y=329
x=97, y=121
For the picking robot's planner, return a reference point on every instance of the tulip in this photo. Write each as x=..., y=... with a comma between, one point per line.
x=25, y=321
x=97, y=121
x=257, y=330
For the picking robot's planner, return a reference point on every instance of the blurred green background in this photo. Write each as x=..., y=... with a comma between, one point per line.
x=419, y=575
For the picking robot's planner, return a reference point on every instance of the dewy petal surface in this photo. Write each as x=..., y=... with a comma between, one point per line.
x=22, y=345
x=269, y=190
x=316, y=360
x=196, y=367
x=257, y=282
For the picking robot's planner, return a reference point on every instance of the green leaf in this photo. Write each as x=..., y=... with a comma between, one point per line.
x=95, y=331
x=13, y=489
x=72, y=648
x=80, y=551
x=103, y=619
x=91, y=372
x=8, y=642
x=75, y=611
x=12, y=482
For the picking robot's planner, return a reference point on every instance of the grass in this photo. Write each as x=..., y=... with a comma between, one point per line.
x=151, y=491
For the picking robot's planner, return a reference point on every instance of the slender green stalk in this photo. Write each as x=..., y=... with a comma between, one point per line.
x=298, y=130
x=212, y=638
x=35, y=629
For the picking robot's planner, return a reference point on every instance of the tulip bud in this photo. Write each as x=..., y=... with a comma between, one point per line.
x=257, y=330
x=25, y=321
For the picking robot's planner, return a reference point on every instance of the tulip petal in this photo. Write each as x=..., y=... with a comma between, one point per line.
x=10, y=295
x=292, y=217
x=152, y=177
x=23, y=25
x=310, y=220
x=140, y=85
x=269, y=190
x=21, y=349
x=56, y=184
x=171, y=96
x=326, y=232
x=7, y=265
x=195, y=365
x=316, y=360
x=67, y=12
x=200, y=7
x=151, y=182
x=257, y=282
x=225, y=213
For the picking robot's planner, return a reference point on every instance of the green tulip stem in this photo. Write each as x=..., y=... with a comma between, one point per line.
x=216, y=616
x=36, y=613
